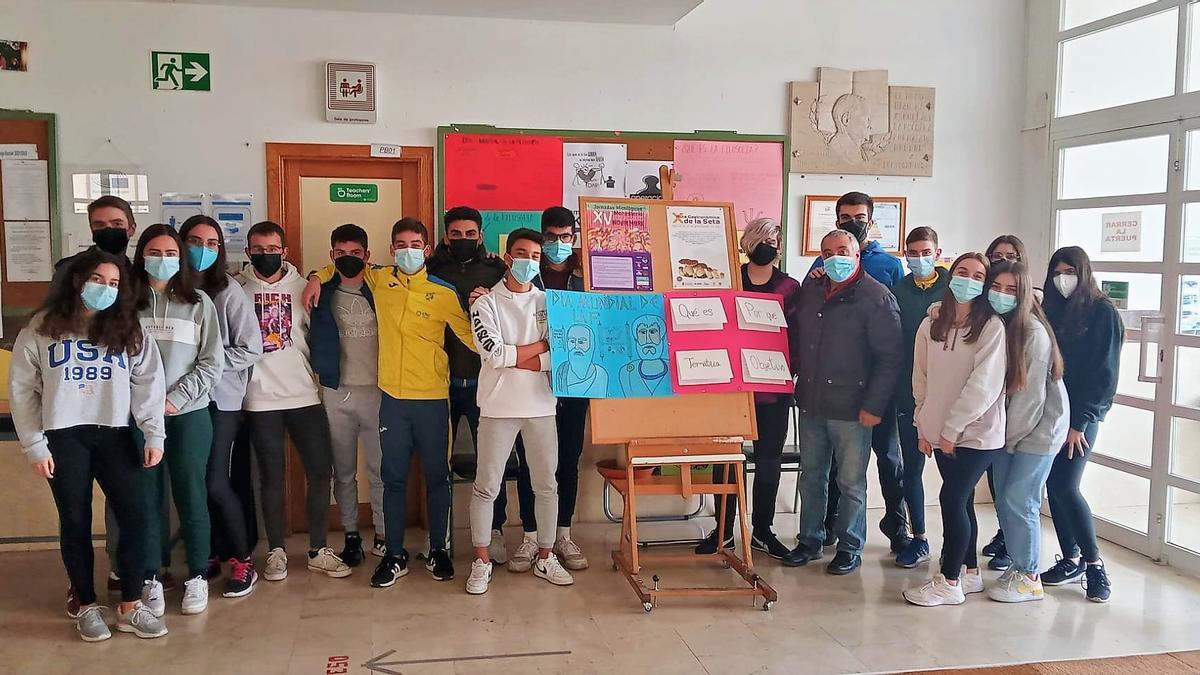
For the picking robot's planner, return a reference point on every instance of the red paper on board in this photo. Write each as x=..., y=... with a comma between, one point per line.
x=503, y=172
x=731, y=339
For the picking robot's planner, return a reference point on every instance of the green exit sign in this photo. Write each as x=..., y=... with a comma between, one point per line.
x=354, y=192
x=180, y=71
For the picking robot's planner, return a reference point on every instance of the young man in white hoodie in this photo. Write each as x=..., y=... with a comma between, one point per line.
x=510, y=331
x=283, y=395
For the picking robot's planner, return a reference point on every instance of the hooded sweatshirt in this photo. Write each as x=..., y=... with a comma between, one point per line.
x=959, y=386
x=502, y=321
x=242, y=342
x=189, y=342
x=1038, y=414
x=70, y=382
x=283, y=379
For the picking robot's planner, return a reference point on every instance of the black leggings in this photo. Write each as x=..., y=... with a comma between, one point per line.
x=109, y=456
x=223, y=502
x=960, y=531
x=772, y=421
x=309, y=430
x=1068, y=509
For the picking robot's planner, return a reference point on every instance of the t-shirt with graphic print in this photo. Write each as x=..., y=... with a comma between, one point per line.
x=359, y=333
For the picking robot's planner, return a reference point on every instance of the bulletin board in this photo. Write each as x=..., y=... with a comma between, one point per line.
x=620, y=420
x=533, y=170
x=19, y=298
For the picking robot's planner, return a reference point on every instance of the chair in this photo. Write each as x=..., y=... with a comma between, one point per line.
x=790, y=457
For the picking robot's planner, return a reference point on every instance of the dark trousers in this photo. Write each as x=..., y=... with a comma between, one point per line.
x=224, y=506
x=960, y=530
x=888, y=461
x=109, y=456
x=913, y=471
x=308, y=428
x=423, y=427
x=1068, y=509
x=570, y=417
x=772, y=421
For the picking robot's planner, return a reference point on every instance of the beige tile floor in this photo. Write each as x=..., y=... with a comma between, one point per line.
x=821, y=624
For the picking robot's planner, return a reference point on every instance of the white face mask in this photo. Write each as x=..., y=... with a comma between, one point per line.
x=1066, y=283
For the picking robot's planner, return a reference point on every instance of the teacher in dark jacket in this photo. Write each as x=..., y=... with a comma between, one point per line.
x=847, y=353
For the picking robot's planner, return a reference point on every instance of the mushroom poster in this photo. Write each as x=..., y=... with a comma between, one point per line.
x=699, y=249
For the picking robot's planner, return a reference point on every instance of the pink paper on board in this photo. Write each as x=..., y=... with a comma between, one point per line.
x=748, y=174
x=731, y=339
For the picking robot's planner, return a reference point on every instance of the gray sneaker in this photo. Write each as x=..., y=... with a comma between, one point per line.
x=152, y=597
x=92, y=625
x=141, y=622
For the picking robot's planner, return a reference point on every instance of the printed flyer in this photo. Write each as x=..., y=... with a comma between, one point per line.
x=699, y=252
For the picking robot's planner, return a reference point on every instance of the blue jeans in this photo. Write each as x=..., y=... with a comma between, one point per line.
x=1018, y=479
x=821, y=442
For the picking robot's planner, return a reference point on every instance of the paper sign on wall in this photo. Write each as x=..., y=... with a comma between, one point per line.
x=766, y=367
x=592, y=170
x=18, y=151
x=703, y=366
x=27, y=251
x=761, y=314
x=748, y=174
x=179, y=206
x=619, y=247
x=699, y=248
x=232, y=212
x=503, y=172
x=697, y=314
x=1121, y=232
x=497, y=225
x=26, y=189
x=642, y=180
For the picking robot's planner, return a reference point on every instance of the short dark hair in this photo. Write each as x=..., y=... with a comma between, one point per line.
x=265, y=229
x=923, y=233
x=525, y=234
x=557, y=216
x=463, y=213
x=856, y=199
x=112, y=202
x=348, y=233
x=410, y=225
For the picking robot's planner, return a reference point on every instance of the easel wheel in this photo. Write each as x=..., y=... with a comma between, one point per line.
x=647, y=606
x=767, y=605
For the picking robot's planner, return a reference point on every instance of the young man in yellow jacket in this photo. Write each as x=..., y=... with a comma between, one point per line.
x=413, y=309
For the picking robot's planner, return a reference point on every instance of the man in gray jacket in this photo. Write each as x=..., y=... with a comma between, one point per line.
x=848, y=355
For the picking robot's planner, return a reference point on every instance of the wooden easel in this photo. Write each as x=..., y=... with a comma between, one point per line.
x=677, y=431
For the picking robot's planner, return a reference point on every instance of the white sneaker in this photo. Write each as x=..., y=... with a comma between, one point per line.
x=276, y=569
x=1014, y=586
x=141, y=622
x=522, y=558
x=92, y=625
x=481, y=574
x=497, y=551
x=970, y=583
x=569, y=553
x=937, y=591
x=328, y=562
x=195, y=595
x=551, y=570
x=152, y=597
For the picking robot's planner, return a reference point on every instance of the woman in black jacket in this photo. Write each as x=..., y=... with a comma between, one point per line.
x=1089, y=333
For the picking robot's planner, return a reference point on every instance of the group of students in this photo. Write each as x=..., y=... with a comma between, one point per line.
x=130, y=366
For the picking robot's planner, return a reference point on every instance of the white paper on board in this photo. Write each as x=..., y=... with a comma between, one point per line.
x=690, y=314
x=642, y=180
x=232, y=212
x=592, y=170
x=703, y=366
x=761, y=366
x=18, y=151
x=27, y=250
x=761, y=314
x=179, y=206
x=26, y=189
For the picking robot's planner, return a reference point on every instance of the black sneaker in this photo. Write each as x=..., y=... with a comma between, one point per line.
x=1096, y=583
x=995, y=545
x=768, y=543
x=389, y=570
x=440, y=565
x=801, y=556
x=1063, y=571
x=900, y=542
x=1000, y=559
x=709, y=545
x=844, y=562
x=352, y=554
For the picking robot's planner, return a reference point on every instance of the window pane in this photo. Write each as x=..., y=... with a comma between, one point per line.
x=1185, y=448
x=1191, y=232
x=1128, y=63
x=1193, y=59
x=1183, y=525
x=1079, y=12
x=1085, y=228
x=1187, y=385
x=1189, y=307
x=1115, y=495
x=1126, y=434
x=1144, y=291
x=1193, y=152
x=1127, y=380
x=1133, y=167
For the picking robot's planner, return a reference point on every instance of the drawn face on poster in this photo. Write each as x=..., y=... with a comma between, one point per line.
x=581, y=376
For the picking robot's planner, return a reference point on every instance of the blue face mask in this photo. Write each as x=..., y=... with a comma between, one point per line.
x=98, y=297
x=524, y=270
x=161, y=268
x=965, y=289
x=557, y=252
x=839, y=268
x=201, y=257
x=921, y=266
x=1003, y=303
x=410, y=260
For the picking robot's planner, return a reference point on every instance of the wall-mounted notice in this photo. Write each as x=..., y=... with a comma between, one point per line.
x=27, y=251
x=1121, y=232
x=699, y=249
x=179, y=206
x=592, y=170
x=642, y=180
x=18, y=150
x=350, y=92
x=232, y=211
x=26, y=189
x=503, y=172
x=497, y=225
x=750, y=175
x=619, y=247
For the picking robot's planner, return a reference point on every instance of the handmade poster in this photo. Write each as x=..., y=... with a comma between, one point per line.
x=26, y=189
x=749, y=372
x=232, y=212
x=697, y=314
x=27, y=251
x=642, y=180
x=699, y=249
x=618, y=244
x=608, y=346
x=750, y=175
x=502, y=172
x=760, y=314
x=179, y=206
x=703, y=366
x=592, y=170
x=497, y=225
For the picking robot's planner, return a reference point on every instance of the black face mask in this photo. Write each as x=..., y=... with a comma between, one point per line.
x=349, y=266
x=112, y=240
x=856, y=228
x=464, y=249
x=764, y=254
x=266, y=264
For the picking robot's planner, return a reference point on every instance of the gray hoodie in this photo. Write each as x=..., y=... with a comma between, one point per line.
x=243, y=345
x=59, y=384
x=189, y=341
x=1039, y=414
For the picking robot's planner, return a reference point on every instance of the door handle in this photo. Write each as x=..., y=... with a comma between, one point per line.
x=1152, y=329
